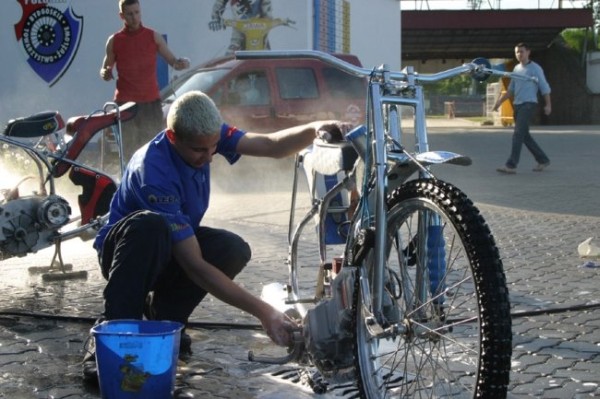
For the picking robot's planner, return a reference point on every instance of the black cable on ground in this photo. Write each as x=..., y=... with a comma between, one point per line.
x=249, y=326
x=92, y=320
x=554, y=310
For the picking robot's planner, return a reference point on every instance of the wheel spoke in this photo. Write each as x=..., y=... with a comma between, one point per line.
x=443, y=259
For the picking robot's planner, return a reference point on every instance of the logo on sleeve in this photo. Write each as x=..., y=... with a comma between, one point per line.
x=231, y=131
x=157, y=199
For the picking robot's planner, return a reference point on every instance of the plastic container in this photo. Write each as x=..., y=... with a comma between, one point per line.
x=358, y=138
x=137, y=358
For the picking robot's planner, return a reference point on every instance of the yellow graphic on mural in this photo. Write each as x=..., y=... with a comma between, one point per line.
x=256, y=30
x=251, y=23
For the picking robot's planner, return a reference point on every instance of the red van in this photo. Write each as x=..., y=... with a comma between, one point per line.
x=267, y=95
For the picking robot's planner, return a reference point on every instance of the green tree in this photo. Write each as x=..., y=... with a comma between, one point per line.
x=580, y=39
x=458, y=86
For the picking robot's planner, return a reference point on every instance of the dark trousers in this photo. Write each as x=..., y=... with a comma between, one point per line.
x=521, y=135
x=137, y=259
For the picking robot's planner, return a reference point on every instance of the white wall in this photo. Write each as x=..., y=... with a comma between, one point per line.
x=375, y=35
x=593, y=72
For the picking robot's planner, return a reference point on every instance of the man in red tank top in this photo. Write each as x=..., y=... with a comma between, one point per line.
x=133, y=51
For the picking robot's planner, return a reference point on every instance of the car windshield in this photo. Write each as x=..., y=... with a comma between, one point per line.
x=202, y=80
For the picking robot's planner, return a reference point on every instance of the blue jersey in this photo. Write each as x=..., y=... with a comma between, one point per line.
x=158, y=180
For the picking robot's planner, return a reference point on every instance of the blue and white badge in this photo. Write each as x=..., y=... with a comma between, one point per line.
x=49, y=33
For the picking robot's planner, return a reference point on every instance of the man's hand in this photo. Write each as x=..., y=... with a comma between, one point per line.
x=279, y=328
x=181, y=63
x=216, y=24
x=106, y=73
x=333, y=131
x=547, y=109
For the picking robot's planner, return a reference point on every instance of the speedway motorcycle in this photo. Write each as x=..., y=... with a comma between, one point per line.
x=43, y=149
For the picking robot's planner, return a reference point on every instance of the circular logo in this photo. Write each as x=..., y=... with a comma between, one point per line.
x=46, y=35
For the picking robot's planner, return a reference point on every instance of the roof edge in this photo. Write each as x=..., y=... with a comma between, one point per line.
x=497, y=19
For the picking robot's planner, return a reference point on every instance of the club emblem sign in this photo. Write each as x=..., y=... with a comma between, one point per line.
x=49, y=33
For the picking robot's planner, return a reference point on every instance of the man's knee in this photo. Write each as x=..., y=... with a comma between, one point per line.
x=244, y=252
x=235, y=257
x=150, y=222
x=238, y=257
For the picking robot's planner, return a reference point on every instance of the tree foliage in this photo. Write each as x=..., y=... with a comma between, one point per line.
x=458, y=86
x=576, y=39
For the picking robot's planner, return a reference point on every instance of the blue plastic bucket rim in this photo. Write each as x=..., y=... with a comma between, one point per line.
x=170, y=327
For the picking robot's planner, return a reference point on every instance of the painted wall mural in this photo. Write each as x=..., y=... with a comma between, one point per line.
x=49, y=33
x=53, y=49
x=250, y=22
x=332, y=26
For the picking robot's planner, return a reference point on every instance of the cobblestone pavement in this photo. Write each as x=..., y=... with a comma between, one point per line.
x=538, y=219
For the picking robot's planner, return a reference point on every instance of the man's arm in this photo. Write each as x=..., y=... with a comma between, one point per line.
x=289, y=141
x=109, y=61
x=544, y=88
x=547, y=104
x=189, y=255
x=501, y=99
x=177, y=63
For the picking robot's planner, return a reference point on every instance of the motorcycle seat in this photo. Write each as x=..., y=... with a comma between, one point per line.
x=36, y=125
x=83, y=128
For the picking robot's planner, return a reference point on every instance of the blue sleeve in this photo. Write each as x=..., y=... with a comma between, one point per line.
x=543, y=85
x=511, y=87
x=230, y=136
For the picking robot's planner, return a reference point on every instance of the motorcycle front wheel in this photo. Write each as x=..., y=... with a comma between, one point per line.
x=447, y=326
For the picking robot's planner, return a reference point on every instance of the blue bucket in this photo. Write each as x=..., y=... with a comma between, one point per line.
x=137, y=358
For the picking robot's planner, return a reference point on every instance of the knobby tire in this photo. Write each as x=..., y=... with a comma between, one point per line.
x=457, y=341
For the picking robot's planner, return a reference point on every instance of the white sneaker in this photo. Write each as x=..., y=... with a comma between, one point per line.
x=541, y=166
x=507, y=170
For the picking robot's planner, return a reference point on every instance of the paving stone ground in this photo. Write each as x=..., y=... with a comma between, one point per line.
x=538, y=219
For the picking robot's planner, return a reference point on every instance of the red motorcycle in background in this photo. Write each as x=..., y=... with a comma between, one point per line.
x=42, y=148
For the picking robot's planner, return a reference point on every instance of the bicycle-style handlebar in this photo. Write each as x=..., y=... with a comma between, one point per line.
x=473, y=68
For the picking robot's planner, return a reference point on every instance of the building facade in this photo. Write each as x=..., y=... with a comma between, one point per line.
x=53, y=49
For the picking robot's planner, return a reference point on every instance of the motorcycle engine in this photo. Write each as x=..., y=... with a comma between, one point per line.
x=328, y=332
x=28, y=224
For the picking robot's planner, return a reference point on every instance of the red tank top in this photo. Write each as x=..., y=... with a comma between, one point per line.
x=135, y=57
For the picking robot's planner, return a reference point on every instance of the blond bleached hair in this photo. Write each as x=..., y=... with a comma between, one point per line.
x=125, y=3
x=194, y=114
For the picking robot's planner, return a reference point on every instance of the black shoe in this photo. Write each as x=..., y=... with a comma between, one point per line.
x=88, y=366
x=185, y=342
x=185, y=346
